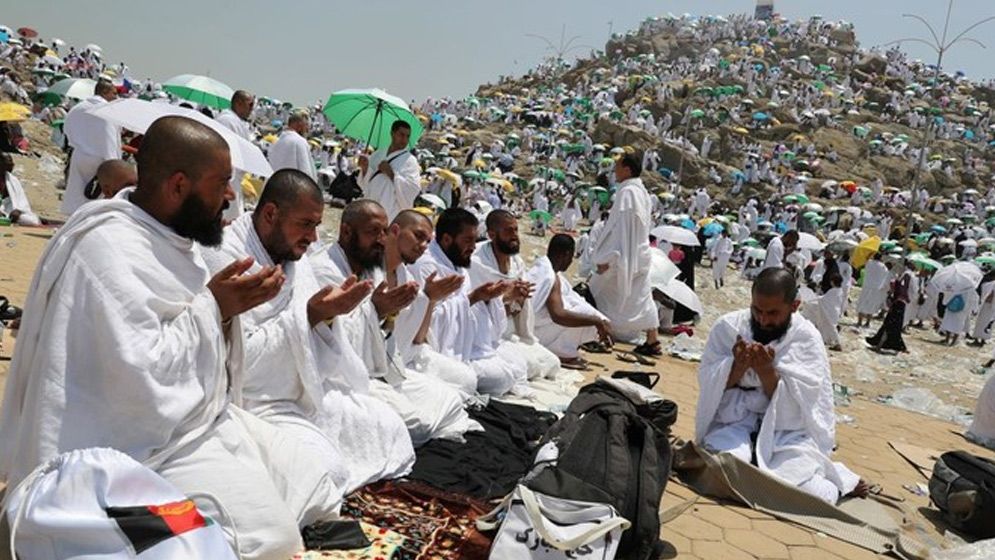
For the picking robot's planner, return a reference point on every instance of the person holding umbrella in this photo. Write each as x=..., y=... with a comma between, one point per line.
x=392, y=176
x=94, y=141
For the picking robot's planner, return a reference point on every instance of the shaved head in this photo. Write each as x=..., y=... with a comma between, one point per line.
x=184, y=171
x=363, y=234
x=114, y=175
x=409, y=218
x=410, y=234
x=359, y=210
x=497, y=218
x=286, y=188
x=176, y=145
x=502, y=229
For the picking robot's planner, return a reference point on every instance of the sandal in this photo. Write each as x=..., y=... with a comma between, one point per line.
x=632, y=358
x=595, y=347
x=579, y=365
x=651, y=350
x=8, y=312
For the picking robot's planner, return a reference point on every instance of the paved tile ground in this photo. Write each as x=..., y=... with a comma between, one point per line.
x=711, y=530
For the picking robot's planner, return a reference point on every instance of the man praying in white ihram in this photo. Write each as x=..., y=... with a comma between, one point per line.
x=765, y=377
x=392, y=176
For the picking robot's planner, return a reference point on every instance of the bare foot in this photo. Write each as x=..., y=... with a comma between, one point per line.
x=861, y=491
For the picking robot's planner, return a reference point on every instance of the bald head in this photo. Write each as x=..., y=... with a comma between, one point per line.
x=498, y=218
x=776, y=282
x=106, y=90
x=410, y=234
x=114, y=175
x=411, y=218
x=358, y=211
x=287, y=188
x=177, y=145
x=242, y=103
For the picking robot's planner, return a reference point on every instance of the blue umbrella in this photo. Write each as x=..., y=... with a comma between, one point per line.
x=667, y=173
x=969, y=135
x=713, y=228
x=4, y=38
x=760, y=116
x=740, y=175
x=781, y=227
x=938, y=229
x=687, y=224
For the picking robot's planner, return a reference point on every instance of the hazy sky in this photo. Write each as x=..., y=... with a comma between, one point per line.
x=301, y=50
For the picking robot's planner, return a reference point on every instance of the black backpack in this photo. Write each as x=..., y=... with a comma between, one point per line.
x=963, y=488
x=345, y=187
x=614, y=451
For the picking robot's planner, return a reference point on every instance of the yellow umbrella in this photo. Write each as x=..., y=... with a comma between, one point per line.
x=271, y=138
x=479, y=163
x=740, y=130
x=862, y=252
x=252, y=186
x=705, y=221
x=14, y=112
x=448, y=175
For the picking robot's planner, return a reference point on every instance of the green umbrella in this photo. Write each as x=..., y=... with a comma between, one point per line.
x=475, y=175
x=811, y=215
x=200, y=89
x=985, y=259
x=697, y=113
x=368, y=114
x=802, y=198
x=791, y=198
x=544, y=217
x=557, y=174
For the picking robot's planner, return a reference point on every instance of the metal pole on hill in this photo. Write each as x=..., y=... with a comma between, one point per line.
x=940, y=45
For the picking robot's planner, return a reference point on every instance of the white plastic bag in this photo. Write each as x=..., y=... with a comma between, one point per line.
x=102, y=503
x=540, y=527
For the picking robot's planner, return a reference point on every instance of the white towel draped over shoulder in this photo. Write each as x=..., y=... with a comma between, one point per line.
x=398, y=194
x=120, y=345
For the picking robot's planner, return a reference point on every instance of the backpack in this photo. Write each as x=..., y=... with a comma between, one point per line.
x=346, y=187
x=956, y=304
x=963, y=488
x=614, y=450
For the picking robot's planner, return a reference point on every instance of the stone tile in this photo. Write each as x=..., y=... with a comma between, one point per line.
x=756, y=543
x=784, y=532
x=695, y=528
x=841, y=548
x=811, y=553
x=724, y=517
x=679, y=542
x=720, y=551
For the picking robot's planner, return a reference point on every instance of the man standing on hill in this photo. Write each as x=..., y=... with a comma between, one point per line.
x=94, y=141
x=236, y=120
x=392, y=176
x=292, y=151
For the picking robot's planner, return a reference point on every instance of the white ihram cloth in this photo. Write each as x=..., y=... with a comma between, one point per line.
x=824, y=312
x=467, y=332
x=986, y=312
x=912, y=307
x=623, y=292
x=94, y=141
x=422, y=357
x=721, y=252
x=18, y=200
x=291, y=151
x=519, y=336
x=235, y=124
x=956, y=322
x=398, y=194
x=116, y=279
x=561, y=341
x=875, y=288
x=429, y=407
x=775, y=254
x=796, y=428
x=310, y=380
x=982, y=428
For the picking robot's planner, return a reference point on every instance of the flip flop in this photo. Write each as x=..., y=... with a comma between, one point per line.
x=575, y=366
x=650, y=350
x=633, y=358
x=595, y=347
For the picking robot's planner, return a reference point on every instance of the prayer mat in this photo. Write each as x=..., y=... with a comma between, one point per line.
x=434, y=523
x=386, y=545
x=866, y=523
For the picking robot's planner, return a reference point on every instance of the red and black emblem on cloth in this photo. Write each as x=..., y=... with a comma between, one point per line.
x=147, y=526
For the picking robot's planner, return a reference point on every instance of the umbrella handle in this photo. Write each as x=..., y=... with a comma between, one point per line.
x=373, y=125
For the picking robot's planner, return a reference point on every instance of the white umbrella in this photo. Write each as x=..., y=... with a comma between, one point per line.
x=434, y=200
x=809, y=241
x=968, y=243
x=676, y=235
x=94, y=48
x=958, y=277
x=58, y=43
x=137, y=115
x=662, y=270
x=682, y=294
x=52, y=59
